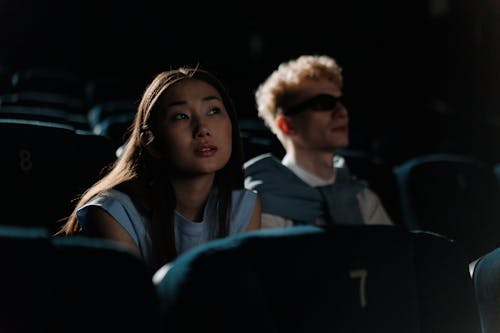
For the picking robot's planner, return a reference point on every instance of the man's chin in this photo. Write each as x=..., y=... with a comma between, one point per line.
x=342, y=145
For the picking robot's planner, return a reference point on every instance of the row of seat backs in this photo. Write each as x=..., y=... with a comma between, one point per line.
x=301, y=279
x=44, y=167
x=72, y=285
x=110, y=118
x=311, y=279
x=62, y=109
x=70, y=85
x=58, y=95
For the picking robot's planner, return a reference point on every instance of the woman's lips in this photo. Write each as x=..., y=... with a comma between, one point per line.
x=205, y=150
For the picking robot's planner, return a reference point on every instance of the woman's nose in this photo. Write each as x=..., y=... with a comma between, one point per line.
x=201, y=130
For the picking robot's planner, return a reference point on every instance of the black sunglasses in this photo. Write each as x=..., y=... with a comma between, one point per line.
x=322, y=102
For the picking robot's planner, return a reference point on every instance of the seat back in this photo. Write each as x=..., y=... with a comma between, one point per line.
x=452, y=195
x=44, y=114
x=101, y=288
x=47, y=79
x=258, y=139
x=44, y=167
x=25, y=281
x=496, y=171
x=308, y=279
x=486, y=276
x=72, y=285
x=379, y=176
x=445, y=289
x=116, y=127
x=69, y=104
x=101, y=111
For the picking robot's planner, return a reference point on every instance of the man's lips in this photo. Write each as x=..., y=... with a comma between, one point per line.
x=342, y=128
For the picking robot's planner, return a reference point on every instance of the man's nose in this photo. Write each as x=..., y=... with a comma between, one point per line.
x=340, y=110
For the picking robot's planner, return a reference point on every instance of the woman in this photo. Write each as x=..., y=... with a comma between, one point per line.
x=179, y=181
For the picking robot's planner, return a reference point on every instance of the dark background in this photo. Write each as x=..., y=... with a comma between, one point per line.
x=420, y=76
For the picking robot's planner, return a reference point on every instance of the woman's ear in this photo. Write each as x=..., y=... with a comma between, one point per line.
x=285, y=124
x=148, y=142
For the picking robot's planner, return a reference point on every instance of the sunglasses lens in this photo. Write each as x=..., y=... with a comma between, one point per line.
x=321, y=102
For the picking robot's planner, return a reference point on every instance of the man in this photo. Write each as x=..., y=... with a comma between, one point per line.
x=301, y=103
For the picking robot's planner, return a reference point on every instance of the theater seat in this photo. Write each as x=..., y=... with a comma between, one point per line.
x=44, y=167
x=452, y=195
x=487, y=285
x=309, y=279
x=44, y=114
x=25, y=280
x=72, y=285
x=257, y=139
x=69, y=104
x=49, y=80
x=116, y=127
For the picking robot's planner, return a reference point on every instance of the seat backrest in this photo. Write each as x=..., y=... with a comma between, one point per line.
x=105, y=283
x=72, y=105
x=258, y=139
x=486, y=276
x=72, y=285
x=26, y=278
x=5, y=79
x=116, y=127
x=99, y=112
x=496, y=170
x=45, y=114
x=379, y=176
x=44, y=167
x=445, y=288
x=452, y=195
x=309, y=279
x=45, y=79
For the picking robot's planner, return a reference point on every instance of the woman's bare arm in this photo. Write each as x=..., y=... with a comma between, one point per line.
x=100, y=224
x=255, y=220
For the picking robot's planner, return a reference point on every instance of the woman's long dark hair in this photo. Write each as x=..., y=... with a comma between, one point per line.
x=142, y=176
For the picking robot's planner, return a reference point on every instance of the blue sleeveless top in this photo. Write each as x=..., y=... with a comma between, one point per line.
x=188, y=234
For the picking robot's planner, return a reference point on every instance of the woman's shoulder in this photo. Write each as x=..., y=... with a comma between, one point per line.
x=110, y=197
x=115, y=202
x=243, y=201
x=244, y=194
x=242, y=207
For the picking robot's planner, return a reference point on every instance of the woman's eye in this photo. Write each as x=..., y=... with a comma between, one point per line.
x=214, y=111
x=180, y=116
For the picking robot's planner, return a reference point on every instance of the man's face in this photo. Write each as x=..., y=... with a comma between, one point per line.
x=320, y=122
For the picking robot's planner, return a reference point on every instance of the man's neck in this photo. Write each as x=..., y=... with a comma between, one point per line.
x=318, y=164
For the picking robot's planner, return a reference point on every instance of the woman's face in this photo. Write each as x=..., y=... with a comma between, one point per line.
x=194, y=129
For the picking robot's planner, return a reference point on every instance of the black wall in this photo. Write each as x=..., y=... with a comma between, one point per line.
x=423, y=75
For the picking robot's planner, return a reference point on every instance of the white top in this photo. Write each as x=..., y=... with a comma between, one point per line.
x=188, y=234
